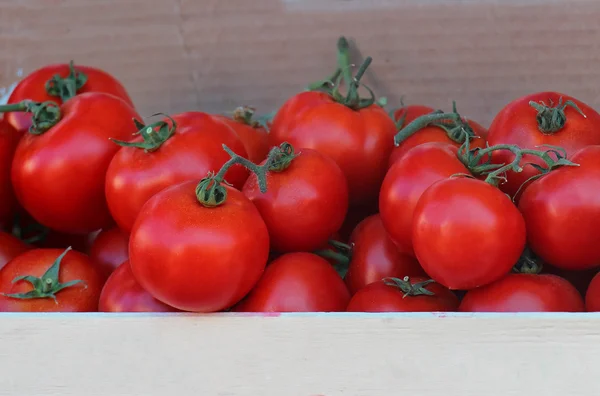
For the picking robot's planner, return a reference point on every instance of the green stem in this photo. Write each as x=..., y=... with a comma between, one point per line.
x=552, y=119
x=343, y=58
x=408, y=288
x=452, y=123
x=528, y=263
x=66, y=88
x=154, y=135
x=282, y=161
x=44, y=115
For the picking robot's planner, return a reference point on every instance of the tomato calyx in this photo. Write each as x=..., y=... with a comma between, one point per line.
x=47, y=285
x=283, y=159
x=528, y=263
x=44, y=115
x=550, y=118
x=67, y=87
x=153, y=135
x=408, y=288
x=341, y=254
x=246, y=115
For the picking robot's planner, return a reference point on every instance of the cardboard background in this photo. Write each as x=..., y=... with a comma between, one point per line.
x=213, y=55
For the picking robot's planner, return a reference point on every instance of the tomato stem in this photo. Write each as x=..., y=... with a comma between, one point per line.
x=282, y=161
x=528, y=263
x=246, y=115
x=66, y=88
x=552, y=119
x=44, y=115
x=154, y=135
x=408, y=288
x=343, y=56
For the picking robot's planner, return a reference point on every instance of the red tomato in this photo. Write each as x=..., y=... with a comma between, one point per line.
x=374, y=256
x=405, y=182
x=467, y=233
x=524, y=293
x=359, y=141
x=10, y=247
x=592, y=296
x=254, y=136
x=33, y=87
x=519, y=123
x=196, y=258
x=122, y=293
x=195, y=149
x=49, y=280
x=562, y=212
x=8, y=144
x=58, y=176
x=580, y=279
x=109, y=250
x=304, y=204
x=403, y=295
x=297, y=282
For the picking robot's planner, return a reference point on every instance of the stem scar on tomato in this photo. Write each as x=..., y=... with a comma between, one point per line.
x=153, y=135
x=408, y=288
x=552, y=119
x=67, y=87
x=44, y=115
x=47, y=285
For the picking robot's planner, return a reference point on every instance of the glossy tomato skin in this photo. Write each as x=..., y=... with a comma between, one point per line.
x=254, y=137
x=8, y=143
x=517, y=124
x=467, y=233
x=562, y=211
x=195, y=149
x=297, y=282
x=592, y=296
x=59, y=176
x=360, y=142
x=304, y=204
x=196, y=258
x=109, y=250
x=380, y=297
x=406, y=181
x=10, y=247
x=122, y=293
x=375, y=256
x=524, y=293
x=74, y=266
x=32, y=87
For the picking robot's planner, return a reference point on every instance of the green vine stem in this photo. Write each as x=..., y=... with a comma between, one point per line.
x=153, y=135
x=44, y=115
x=528, y=263
x=552, y=119
x=211, y=193
x=48, y=285
x=408, y=288
x=247, y=115
x=340, y=254
x=67, y=87
x=343, y=60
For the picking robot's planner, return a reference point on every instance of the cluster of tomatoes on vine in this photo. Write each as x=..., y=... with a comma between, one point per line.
x=331, y=204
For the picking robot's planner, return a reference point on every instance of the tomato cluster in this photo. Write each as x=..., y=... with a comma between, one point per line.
x=331, y=204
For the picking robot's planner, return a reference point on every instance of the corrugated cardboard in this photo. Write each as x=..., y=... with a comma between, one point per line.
x=213, y=55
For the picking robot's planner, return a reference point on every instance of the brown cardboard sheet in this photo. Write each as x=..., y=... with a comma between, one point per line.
x=213, y=55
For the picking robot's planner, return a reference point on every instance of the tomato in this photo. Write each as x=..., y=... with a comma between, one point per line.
x=58, y=176
x=8, y=144
x=297, y=282
x=253, y=135
x=374, y=256
x=406, y=181
x=592, y=296
x=524, y=293
x=10, y=247
x=359, y=141
x=189, y=152
x=305, y=202
x=122, y=293
x=521, y=124
x=49, y=280
x=562, y=211
x=403, y=295
x=197, y=258
x=580, y=279
x=109, y=250
x=354, y=216
x=33, y=87
x=467, y=233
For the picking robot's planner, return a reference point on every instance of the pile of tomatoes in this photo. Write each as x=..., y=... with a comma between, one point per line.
x=332, y=203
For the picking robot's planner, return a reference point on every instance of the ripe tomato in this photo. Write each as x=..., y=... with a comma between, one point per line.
x=252, y=134
x=524, y=293
x=109, y=250
x=403, y=295
x=34, y=87
x=359, y=141
x=297, y=282
x=305, y=202
x=557, y=124
x=197, y=258
x=467, y=233
x=190, y=152
x=49, y=280
x=122, y=293
x=405, y=182
x=58, y=176
x=592, y=296
x=374, y=256
x=562, y=211
x=10, y=247
x=8, y=144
